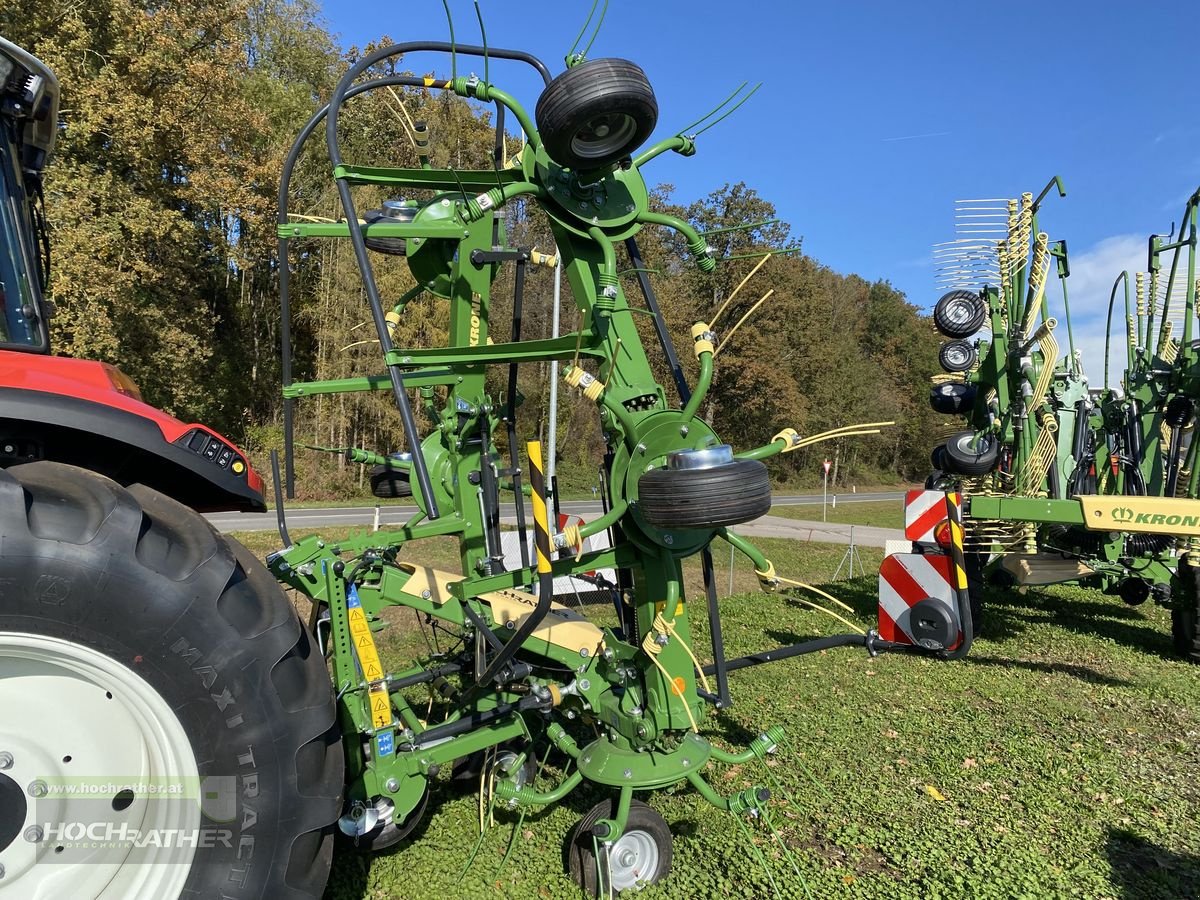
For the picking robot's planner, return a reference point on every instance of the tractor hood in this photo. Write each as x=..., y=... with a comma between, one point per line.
x=29, y=95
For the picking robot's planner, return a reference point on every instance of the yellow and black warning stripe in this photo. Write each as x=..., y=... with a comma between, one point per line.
x=957, y=554
x=541, y=526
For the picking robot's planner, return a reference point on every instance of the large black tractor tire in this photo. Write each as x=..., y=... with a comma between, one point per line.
x=153, y=634
x=1185, y=615
x=967, y=453
x=727, y=494
x=952, y=399
x=959, y=314
x=640, y=856
x=596, y=113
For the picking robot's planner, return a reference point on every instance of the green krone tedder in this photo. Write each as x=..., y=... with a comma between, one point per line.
x=1068, y=482
x=526, y=675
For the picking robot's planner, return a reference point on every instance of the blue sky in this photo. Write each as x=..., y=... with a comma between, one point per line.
x=875, y=117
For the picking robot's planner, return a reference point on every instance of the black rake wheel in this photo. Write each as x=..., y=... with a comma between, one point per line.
x=957, y=356
x=389, y=833
x=953, y=398
x=596, y=113
x=939, y=480
x=640, y=856
x=727, y=494
x=970, y=453
x=959, y=314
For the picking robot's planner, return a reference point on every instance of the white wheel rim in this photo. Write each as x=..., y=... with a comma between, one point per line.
x=74, y=725
x=632, y=860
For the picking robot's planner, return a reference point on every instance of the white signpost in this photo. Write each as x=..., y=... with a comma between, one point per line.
x=825, y=497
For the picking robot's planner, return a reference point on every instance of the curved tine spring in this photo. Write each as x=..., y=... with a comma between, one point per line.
x=599, y=22
x=712, y=112
x=730, y=111
x=453, y=51
x=586, y=22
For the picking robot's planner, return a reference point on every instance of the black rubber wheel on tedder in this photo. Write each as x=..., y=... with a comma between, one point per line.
x=390, y=484
x=596, y=113
x=957, y=356
x=971, y=453
x=953, y=398
x=162, y=652
x=727, y=494
x=959, y=314
x=640, y=856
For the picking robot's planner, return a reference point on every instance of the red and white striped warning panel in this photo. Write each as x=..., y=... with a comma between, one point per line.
x=924, y=511
x=905, y=579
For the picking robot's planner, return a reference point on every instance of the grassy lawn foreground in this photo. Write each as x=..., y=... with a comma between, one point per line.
x=1059, y=760
x=883, y=513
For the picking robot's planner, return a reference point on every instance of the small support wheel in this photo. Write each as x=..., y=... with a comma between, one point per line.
x=959, y=314
x=952, y=399
x=640, y=856
x=970, y=453
x=939, y=480
x=388, y=833
x=390, y=484
x=957, y=356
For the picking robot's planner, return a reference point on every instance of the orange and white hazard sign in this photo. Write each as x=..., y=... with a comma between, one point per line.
x=905, y=579
x=924, y=511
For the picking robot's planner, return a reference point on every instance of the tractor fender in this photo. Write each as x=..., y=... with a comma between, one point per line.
x=63, y=417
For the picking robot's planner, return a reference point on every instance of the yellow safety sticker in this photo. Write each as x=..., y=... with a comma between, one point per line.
x=368, y=658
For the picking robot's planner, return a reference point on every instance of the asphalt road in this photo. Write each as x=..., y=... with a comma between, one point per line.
x=767, y=526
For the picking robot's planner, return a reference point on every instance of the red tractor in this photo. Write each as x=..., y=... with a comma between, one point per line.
x=166, y=726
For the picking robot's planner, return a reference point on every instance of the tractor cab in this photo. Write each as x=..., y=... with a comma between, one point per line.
x=84, y=413
x=28, y=118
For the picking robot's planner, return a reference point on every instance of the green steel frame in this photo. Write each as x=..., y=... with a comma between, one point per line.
x=644, y=702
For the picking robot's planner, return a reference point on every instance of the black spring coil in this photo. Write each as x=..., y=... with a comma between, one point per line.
x=1074, y=540
x=1179, y=412
x=1146, y=544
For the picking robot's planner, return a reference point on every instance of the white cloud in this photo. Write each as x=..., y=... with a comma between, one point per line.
x=1088, y=288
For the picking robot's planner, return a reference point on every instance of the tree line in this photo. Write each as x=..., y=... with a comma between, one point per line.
x=175, y=121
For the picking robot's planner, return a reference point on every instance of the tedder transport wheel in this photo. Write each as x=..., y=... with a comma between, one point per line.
x=390, y=833
x=959, y=314
x=158, y=669
x=970, y=453
x=596, y=113
x=1185, y=617
x=640, y=856
x=389, y=483
x=728, y=494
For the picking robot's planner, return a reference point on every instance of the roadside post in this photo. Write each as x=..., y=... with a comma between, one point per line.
x=825, y=496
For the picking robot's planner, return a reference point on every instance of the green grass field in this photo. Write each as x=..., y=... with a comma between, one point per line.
x=884, y=513
x=1059, y=760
